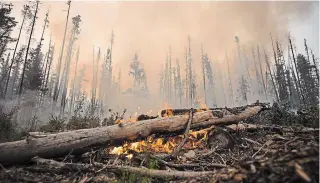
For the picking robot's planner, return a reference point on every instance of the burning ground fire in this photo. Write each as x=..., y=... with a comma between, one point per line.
x=196, y=139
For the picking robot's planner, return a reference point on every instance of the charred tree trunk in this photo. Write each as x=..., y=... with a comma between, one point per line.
x=272, y=79
x=56, y=89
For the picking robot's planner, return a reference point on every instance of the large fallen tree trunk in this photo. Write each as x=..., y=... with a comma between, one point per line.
x=80, y=141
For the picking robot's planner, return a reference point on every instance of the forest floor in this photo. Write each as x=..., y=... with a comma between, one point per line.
x=277, y=153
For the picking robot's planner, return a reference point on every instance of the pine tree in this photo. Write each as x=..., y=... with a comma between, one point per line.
x=75, y=31
x=209, y=74
x=58, y=82
x=27, y=51
x=261, y=72
x=25, y=10
x=271, y=77
x=13, y=83
x=258, y=77
x=280, y=74
x=140, y=87
x=33, y=72
x=243, y=90
x=7, y=23
x=4, y=69
x=48, y=64
x=310, y=91
x=230, y=83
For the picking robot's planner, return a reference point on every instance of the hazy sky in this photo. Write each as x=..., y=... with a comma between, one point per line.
x=150, y=28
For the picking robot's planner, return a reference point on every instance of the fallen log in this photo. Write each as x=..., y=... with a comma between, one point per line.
x=234, y=110
x=80, y=141
x=166, y=174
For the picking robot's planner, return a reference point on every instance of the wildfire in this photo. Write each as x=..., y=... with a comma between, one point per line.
x=168, y=109
x=165, y=145
x=161, y=145
x=203, y=106
x=130, y=156
x=131, y=119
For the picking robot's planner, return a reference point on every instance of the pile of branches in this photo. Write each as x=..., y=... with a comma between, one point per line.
x=234, y=151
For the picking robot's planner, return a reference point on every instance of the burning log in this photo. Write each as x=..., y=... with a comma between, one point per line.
x=174, y=112
x=80, y=141
x=219, y=112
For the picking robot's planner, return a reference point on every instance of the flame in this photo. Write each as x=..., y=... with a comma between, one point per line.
x=203, y=105
x=168, y=113
x=129, y=156
x=168, y=109
x=118, y=151
x=196, y=139
x=131, y=119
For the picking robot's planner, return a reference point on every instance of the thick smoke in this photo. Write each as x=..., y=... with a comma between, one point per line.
x=150, y=28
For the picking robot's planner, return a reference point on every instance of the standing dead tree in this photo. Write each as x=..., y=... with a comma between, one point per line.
x=75, y=31
x=271, y=75
x=57, y=83
x=203, y=75
x=179, y=83
x=261, y=72
x=72, y=95
x=94, y=82
x=230, y=83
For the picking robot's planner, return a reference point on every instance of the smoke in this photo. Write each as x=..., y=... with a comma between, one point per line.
x=150, y=28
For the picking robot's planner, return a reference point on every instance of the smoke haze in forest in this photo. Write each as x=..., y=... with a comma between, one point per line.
x=150, y=28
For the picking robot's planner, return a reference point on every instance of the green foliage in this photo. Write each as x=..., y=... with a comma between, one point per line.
x=8, y=127
x=7, y=23
x=33, y=71
x=153, y=164
x=280, y=114
x=55, y=124
x=78, y=122
x=127, y=177
x=308, y=83
x=243, y=90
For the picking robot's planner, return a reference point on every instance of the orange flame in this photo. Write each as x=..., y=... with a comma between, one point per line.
x=168, y=109
x=203, y=105
x=196, y=139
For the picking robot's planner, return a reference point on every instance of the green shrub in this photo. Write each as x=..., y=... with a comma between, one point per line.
x=79, y=122
x=8, y=128
x=55, y=124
